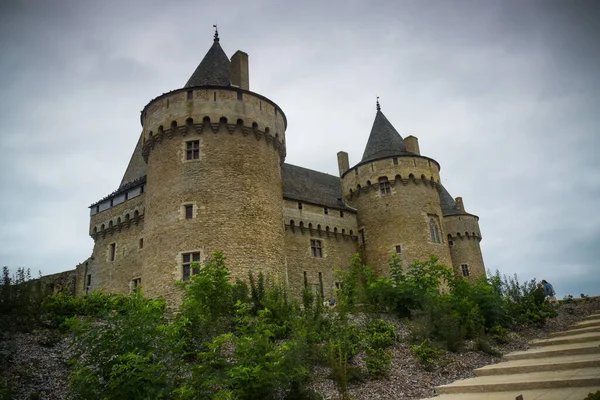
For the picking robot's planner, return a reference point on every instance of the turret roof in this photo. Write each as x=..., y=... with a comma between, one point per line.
x=449, y=206
x=213, y=69
x=384, y=140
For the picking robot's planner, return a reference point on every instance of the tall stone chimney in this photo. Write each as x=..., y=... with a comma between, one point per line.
x=343, y=163
x=239, y=70
x=412, y=144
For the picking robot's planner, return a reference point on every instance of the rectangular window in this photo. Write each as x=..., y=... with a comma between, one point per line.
x=395, y=160
x=316, y=249
x=190, y=94
x=190, y=265
x=341, y=214
x=189, y=211
x=339, y=286
x=141, y=243
x=465, y=269
x=299, y=206
x=450, y=243
x=239, y=96
x=192, y=150
x=398, y=249
x=321, y=288
x=89, y=280
x=384, y=187
x=325, y=210
x=112, y=252
x=136, y=284
x=305, y=279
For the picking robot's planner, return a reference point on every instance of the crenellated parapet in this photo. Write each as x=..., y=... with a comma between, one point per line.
x=397, y=182
x=117, y=223
x=213, y=110
x=397, y=171
x=308, y=228
x=191, y=128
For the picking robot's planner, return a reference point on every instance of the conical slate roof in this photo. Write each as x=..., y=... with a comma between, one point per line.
x=213, y=69
x=384, y=140
x=449, y=206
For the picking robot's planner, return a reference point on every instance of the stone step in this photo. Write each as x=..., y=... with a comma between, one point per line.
x=592, y=317
x=572, y=393
x=576, y=331
x=584, y=324
x=583, y=377
x=541, y=364
x=579, y=338
x=555, y=351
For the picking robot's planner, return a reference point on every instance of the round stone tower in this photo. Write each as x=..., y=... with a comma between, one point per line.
x=214, y=151
x=463, y=236
x=395, y=191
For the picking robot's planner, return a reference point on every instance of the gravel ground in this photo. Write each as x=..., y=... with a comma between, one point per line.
x=35, y=366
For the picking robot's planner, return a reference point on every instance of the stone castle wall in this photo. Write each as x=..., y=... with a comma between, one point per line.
x=123, y=226
x=401, y=217
x=464, y=234
x=234, y=186
x=336, y=230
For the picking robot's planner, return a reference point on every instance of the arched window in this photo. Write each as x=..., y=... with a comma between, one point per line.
x=434, y=232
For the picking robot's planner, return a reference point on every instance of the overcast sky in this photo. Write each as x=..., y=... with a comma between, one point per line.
x=505, y=95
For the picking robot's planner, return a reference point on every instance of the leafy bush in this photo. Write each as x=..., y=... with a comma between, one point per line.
x=133, y=353
x=427, y=354
x=484, y=346
x=593, y=396
x=378, y=362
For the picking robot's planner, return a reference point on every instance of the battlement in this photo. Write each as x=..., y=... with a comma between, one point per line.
x=116, y=223
x=189, y=127
x=303, y=227
x=396, y=182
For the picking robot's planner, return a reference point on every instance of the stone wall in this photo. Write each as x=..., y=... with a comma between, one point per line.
x=400, y=216
x=234, y=187
x=123, y=226
x=464, y=234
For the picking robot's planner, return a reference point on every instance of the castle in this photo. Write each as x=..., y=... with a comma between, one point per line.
x=208, y=174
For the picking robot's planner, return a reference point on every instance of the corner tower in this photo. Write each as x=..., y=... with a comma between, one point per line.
x=214, y=151
x=395, y=191
x=463, y=236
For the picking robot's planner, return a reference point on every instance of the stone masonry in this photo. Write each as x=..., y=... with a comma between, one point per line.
x=208, y=174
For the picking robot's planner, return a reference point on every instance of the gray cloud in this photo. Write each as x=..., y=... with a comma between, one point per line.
x=503, y=94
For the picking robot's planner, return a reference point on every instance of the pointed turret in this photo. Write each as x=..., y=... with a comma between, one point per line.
x=213, y=69
x=384, y=140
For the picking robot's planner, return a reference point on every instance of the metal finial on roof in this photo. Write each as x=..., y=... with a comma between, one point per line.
x=378, y=106
x=216, y=32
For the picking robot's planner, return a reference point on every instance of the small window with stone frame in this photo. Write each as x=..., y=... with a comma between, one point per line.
x=189, y=211
x=316, y=248
x=136, y=284
x=398, y=249
x=339, y=286
x=465, y=269
x=112, y=252
x=385, y=187
x=190, y=264
x=192, y=150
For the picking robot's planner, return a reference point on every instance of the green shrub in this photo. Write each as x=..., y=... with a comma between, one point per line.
x=131, y=351
x=427, y=354
x=338, y=362
x=593, y=396
x=484, y=346
x=380, y=334
x=500, y=334
x=378, y=362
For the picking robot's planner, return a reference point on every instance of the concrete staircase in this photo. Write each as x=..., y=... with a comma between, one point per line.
x=564, y=366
